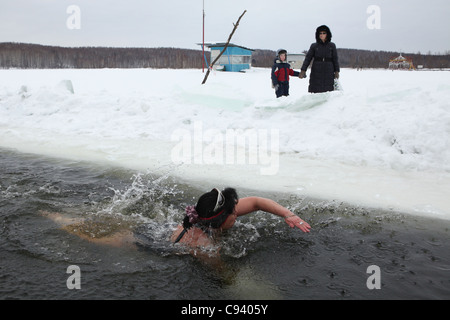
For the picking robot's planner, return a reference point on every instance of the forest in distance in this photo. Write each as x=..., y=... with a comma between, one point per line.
x=34, y=56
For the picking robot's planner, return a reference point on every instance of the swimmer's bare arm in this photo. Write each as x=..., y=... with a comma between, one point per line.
x=251, y=204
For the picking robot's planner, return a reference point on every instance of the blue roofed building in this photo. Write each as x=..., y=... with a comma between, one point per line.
x=235, y=58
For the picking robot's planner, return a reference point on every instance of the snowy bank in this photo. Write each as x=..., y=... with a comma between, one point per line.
x=382, y=142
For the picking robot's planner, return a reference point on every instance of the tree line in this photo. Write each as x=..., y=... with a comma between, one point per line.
x=354, y=58
x=33, y=56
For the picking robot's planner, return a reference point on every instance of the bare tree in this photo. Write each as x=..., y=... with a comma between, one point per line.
x=225, y=48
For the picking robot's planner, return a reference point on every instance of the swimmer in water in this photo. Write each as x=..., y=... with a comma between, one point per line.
x=217, y=210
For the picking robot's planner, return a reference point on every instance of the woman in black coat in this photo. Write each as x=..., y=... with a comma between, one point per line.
x=325, y=67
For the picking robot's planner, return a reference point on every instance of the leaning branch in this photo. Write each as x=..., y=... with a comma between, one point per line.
x=225, y=48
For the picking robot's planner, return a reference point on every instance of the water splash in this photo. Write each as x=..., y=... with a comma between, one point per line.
x=147, y=197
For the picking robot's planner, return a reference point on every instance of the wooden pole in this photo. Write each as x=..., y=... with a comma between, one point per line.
x=225, y=48
x=203, y=45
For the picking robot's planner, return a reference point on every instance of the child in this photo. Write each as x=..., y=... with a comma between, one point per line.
x=281, y=71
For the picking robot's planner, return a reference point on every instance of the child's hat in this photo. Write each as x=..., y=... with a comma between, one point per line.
x=281, y=51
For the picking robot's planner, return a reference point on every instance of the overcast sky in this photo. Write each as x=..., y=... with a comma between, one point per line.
x=394, y=25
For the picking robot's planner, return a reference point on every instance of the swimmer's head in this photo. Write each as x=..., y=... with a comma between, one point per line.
x=212, y=208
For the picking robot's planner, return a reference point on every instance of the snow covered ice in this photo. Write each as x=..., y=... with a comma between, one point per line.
x=383, y=142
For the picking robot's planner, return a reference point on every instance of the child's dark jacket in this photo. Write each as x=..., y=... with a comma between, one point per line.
x=281, y=72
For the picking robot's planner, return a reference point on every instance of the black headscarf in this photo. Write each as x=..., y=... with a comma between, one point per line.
x=211, y=210
x=327, y=30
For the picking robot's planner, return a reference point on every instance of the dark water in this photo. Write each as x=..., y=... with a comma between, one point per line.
x=261, y=257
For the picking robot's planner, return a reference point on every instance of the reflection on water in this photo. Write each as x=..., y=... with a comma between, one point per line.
x=261, y=257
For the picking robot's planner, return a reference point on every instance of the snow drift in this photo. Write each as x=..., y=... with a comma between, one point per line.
x=383, y=142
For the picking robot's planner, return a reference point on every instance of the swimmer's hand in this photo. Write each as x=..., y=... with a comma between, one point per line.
x=295, y=221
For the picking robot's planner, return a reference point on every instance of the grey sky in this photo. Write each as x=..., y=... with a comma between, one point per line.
x=406, y=25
